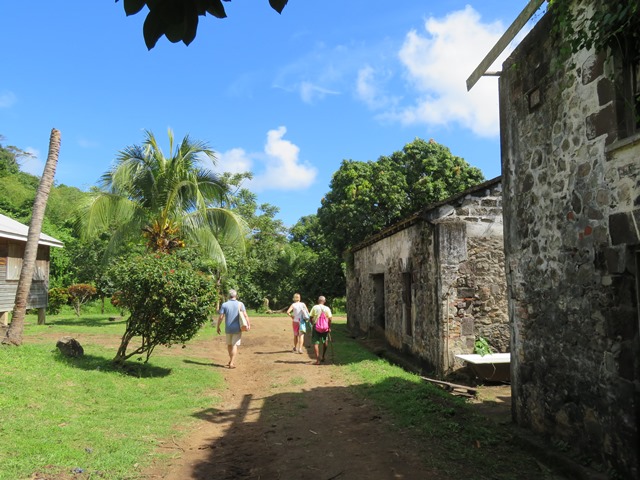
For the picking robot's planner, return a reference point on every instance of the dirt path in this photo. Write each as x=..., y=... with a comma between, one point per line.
x=281, y=417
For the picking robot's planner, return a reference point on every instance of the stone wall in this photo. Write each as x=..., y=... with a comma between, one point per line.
x=571, y=197
x=450, y=262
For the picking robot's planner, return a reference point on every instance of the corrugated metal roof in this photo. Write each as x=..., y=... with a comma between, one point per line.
x=10, y=228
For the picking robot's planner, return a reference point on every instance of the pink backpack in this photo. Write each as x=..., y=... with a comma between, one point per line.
x=322, y=323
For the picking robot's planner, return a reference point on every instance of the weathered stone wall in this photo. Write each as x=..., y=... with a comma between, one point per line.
x=473, y=276
x=454, y=256
x=571, y=196
x=407, y=251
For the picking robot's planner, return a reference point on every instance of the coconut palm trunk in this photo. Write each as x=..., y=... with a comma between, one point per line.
x=14, y=333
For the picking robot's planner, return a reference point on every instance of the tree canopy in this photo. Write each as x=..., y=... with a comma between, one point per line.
x=168, y=201
x=178, y=19
x=365, y=197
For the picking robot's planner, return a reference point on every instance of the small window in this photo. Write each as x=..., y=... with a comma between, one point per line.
x=14, y=263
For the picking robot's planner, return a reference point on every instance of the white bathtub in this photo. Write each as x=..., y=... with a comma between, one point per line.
x=495, y=367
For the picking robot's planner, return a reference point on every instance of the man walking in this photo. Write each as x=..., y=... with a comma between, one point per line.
x=231, y=311
x=321, y=319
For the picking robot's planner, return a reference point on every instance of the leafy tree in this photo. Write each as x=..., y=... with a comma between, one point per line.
x=178, y=19
x=57, y=298
x=170, y=202
x=320, y=270
x=260, y=270
x=431, y=173
x=79, y=294
x=9, y=159
x=168, y=300
x=365, y=197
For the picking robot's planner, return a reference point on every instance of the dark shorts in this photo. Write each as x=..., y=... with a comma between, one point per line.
x=318, y=338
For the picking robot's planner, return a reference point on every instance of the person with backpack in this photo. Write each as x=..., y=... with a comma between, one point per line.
x=321, y=320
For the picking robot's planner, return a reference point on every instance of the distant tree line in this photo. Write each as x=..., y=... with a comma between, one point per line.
x=272, y=261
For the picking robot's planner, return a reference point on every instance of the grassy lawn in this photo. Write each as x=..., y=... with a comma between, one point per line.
x=63, y=415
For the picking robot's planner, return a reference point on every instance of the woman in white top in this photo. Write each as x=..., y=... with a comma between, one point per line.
x=296, y=311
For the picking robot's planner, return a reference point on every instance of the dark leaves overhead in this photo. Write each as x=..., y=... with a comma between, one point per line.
x=178, y=19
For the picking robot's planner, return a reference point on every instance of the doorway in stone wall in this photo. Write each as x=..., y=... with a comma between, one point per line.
x=407, y=287
x=379, y=319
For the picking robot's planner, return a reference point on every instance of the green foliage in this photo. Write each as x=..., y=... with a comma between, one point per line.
x=611, y=24
x=482, y=347
x=264, y=269
x=58, y=297
x=168, y=298
x=79, y=294
x=178, y=19
x=173, y=201
x=365, y=197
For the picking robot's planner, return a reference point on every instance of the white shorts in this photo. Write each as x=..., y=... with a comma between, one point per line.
x=234, y=339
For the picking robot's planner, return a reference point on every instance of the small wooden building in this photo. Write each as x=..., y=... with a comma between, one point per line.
x=435, y=281
x=13, y=239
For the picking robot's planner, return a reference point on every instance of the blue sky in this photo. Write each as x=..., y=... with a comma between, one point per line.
x=287, y=97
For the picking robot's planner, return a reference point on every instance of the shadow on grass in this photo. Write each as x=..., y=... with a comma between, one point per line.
x=133, y=369
x=84, y=321
x=205, y=364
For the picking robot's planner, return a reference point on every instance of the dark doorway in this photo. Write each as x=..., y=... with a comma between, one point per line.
x=407, y=285
x=378, y=301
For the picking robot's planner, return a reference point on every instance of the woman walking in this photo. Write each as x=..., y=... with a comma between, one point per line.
x=296, y=311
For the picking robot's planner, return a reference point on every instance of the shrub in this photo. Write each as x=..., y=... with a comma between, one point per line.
x=168, y=298
x=58, y=297
x=79, y=294
x=339, y=305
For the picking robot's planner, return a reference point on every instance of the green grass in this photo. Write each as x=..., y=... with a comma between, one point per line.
x=62, y=414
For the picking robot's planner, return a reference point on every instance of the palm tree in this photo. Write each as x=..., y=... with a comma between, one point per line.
x=170, y=202
x=14, y=334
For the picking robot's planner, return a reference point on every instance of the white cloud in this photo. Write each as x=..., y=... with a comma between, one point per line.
x=283, y=169
x=277, y=168
x=235, y=160
x=7, y=99
x=31, y=163
x=324, y=71
x=310, y=92
x=438, y=63
x=369, y=87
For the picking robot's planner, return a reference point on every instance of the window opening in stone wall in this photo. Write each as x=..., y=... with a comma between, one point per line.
x=378, y=301
x=629, y=100
x=407, y=285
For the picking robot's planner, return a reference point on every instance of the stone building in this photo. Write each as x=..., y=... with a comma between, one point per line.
x=13, y=238
x=571, y=171
x=433, y=282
